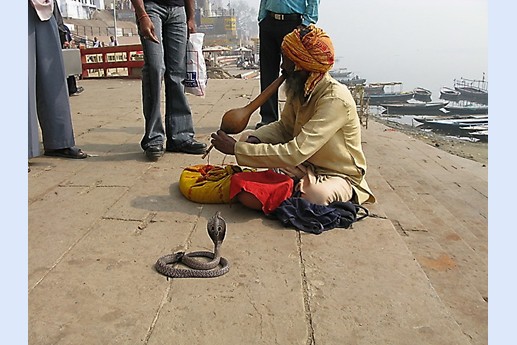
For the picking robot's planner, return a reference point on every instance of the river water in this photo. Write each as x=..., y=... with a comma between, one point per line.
x=419, y=43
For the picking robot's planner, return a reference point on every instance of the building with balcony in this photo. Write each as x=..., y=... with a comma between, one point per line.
x=79, y=9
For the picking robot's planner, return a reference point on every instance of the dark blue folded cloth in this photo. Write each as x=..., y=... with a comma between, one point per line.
x=303, y=215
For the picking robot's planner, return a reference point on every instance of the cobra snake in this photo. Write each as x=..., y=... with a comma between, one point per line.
x=216, y=227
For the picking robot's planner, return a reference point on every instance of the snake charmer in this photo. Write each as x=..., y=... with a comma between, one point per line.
x=316, y=141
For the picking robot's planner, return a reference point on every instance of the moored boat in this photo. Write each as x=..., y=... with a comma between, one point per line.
x=393, y=94
x=414, y=108
x=465, y=108
x=422, y=94
x=340, y=73
x=453, y=126
x=374, y=89
x=475, y=128
x=472, y=90
x=396, y=97
x=481, y=135
x=454, y=121
x=355, y=80
x=449, y=94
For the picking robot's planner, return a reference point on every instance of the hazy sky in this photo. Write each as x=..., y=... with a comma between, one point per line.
x=425, y=43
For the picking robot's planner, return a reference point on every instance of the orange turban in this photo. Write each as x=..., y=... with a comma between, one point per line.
x=312, y=52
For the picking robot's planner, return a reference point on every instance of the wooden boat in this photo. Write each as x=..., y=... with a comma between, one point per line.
x=453, y=126
x=422, y=94
x=340, y=73
x=475, y=128
x=392, y=94
x=355, y=80
x=481, y=135
x=472, y=90
x=454, y=121
x=465, y=108
x=473, y=94
x=414, y=108
x=386, y=98
x=449, y=94
x=373, y=89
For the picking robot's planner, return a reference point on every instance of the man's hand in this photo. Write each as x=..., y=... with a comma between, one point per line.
x=147, y=28
x=223, y=142
x=191, y=25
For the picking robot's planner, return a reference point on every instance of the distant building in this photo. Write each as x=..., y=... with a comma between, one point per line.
x=219, y=24
x=79, y=9
x=216, y=20
x=219, y=30
x=204, y=7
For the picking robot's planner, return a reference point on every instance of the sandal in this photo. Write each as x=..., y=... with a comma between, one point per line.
x=69, y=152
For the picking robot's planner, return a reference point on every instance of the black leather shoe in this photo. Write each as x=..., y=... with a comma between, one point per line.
x=79, y=90
x=191, y=146
x=154, y=152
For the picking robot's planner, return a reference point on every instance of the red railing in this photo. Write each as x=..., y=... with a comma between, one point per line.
x=126, y=60
x=129, y=58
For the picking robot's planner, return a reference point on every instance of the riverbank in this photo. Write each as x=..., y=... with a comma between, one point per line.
x=476, y=151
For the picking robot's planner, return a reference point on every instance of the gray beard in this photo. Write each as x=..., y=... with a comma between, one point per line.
x=295, y=85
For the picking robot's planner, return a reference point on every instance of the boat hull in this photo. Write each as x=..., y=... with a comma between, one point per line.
x=422, y=94
x=388, y=98
x=414, y=109
x=449, y=94
x=473, y=95
x=458, y=110
x=374, y=90
x=453, y=126
x=472, y=90
x=352, y=81
x=481, y=135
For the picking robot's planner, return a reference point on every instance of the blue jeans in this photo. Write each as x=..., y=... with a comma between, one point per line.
x=167, y=60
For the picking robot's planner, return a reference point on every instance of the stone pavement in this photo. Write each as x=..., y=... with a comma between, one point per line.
x=415, y=272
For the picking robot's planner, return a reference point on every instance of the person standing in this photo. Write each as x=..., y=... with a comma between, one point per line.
x=276, y=19
x=164, y=26
x=113, y=42
x=96, y=43
x=48, y=99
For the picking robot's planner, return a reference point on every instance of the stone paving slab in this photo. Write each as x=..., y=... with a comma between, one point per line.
x=97, y=226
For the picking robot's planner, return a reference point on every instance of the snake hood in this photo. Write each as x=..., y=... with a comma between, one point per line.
x=216, y=227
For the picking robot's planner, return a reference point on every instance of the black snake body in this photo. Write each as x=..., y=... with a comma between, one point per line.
x=217, y=266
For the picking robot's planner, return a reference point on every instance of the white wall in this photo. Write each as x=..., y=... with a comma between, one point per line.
x=79, y=9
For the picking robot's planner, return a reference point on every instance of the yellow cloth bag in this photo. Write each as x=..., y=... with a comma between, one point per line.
x=208, y=184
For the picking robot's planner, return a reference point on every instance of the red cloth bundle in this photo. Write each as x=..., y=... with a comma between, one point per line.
x=270, y=187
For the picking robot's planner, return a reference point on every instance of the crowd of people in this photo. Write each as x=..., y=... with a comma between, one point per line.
x=315, y=140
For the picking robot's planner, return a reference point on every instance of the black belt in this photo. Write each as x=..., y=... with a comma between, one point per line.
x=281, y=16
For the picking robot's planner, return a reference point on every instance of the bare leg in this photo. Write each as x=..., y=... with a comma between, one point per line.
x=249, y=200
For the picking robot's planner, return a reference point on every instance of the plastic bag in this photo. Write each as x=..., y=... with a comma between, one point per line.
x=196, y=80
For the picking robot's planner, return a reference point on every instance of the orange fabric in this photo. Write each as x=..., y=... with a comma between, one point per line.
x=313, y=53
x=269, y=187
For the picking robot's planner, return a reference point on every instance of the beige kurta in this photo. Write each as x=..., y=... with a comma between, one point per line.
x=324, y=131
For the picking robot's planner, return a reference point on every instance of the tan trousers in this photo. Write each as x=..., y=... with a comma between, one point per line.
x=320, y=189
x=317, y=189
